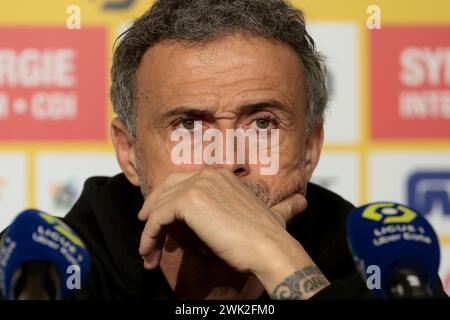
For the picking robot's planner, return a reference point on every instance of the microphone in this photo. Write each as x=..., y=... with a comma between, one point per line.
x=41, y=258
x=396, y=244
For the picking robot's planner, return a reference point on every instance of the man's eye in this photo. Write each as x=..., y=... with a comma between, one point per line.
x=262, y=124
x=188, y=124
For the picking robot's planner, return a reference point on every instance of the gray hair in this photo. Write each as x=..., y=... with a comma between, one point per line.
x=200, y=21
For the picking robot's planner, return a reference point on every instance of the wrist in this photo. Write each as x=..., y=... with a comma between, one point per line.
x=287, y=271
x=278, y=261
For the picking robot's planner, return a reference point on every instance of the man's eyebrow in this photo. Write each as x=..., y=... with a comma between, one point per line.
x=208, y=113
x=189, y=111
x=264, y=105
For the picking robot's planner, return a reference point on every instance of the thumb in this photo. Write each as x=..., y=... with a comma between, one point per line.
x=290, y=207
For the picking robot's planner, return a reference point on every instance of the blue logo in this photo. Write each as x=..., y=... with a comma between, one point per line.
x=427, y=189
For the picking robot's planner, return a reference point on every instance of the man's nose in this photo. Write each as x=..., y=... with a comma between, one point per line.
x=236, y=155
x=234, y=152
x=240, y=170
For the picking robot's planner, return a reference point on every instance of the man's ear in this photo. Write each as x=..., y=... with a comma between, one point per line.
x=314, y=143
x=125, y=150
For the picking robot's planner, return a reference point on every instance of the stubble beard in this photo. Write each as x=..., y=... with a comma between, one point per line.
x=260, y=189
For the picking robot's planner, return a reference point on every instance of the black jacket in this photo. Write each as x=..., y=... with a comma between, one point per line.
x=105, y=217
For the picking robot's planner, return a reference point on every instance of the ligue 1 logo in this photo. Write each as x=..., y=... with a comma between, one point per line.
x=387, y=238
x=389, y=213
x=62, y=228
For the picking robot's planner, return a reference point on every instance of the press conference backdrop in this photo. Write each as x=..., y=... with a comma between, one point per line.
x=387, y=129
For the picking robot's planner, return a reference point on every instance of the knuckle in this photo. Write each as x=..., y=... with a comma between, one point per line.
x=157, y=199
x=208, y=172
x=288, y=210
x=195, y=194
x=204, y=183
x=280, y=220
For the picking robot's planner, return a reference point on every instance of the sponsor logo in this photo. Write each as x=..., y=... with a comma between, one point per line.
x=64, y=194
x=410, y=70
x=389, y=213
x=61, y=229
x=47, y=88
x=428, y=189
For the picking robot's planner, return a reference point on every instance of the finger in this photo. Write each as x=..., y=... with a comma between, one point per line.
x=162, y=215
x=158, y=199
x=290, y=207
x=152, y=260
x=159, y=191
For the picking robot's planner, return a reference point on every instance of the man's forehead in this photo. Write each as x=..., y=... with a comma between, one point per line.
x=239, y=48
x=230, y=51
x=232, y=65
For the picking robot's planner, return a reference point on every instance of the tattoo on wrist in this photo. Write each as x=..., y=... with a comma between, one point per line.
x=300, y=284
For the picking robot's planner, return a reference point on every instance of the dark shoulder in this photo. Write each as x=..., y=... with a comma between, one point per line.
x=327, y=204
x=322, y=232
x=324, y=216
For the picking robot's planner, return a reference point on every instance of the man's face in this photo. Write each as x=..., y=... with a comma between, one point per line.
x=237, y=81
